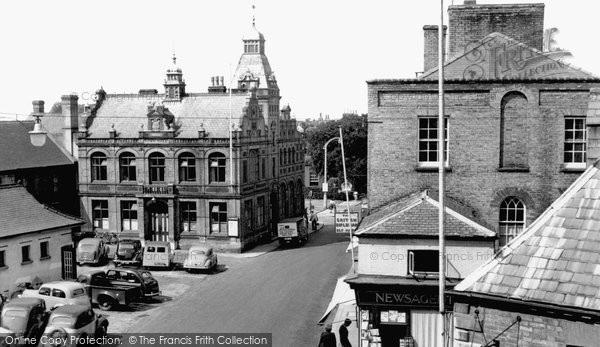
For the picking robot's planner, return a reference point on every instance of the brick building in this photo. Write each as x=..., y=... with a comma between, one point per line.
x=162, y=166
x=542, y=289
x=515, y=120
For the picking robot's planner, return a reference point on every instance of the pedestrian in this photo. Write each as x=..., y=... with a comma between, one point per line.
x=314, y=219
x=344, y=333
x=331, y=206
x=327, y=338
x=306, y=217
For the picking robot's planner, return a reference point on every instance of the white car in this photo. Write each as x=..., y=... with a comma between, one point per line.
x=60, y=293
x=200, y=258
x=72, y=325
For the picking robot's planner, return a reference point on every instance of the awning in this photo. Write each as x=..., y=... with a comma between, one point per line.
x=342, y=294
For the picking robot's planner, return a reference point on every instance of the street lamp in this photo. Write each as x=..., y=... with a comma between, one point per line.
x=37, y=135
x=325, y=185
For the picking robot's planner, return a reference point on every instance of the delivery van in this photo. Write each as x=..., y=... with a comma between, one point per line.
x=157, y=254
x=292, y=231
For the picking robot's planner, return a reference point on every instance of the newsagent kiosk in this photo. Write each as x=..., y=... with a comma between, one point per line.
x=396, y=279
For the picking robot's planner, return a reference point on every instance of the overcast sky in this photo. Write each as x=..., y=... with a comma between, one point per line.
x=322, y=52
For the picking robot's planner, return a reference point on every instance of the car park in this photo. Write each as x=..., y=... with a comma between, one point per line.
x=157, y=254
x=75, y=325
x=129, y=252
x=23, y=318
x=59, y=293
x=200, y=257
x=92, y=251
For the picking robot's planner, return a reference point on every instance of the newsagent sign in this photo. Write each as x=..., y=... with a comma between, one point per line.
x=400, y=299
x=343, y=225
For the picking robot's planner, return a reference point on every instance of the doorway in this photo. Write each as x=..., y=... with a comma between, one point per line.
x=157, y=220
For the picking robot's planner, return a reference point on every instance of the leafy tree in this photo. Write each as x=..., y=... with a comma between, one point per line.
x=354, y=130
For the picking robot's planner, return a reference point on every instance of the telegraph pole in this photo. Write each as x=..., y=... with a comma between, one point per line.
x=441, y=180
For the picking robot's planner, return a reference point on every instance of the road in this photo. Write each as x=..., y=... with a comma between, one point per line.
x=283, y=292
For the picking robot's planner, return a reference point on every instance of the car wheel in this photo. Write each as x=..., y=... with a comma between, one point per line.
x=105, y=304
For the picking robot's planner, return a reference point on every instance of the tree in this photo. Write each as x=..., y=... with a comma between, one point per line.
x=354, y=130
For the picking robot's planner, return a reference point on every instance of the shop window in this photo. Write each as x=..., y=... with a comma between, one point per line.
x=512, y=219
x=575, y=143
x=44, y=254
x=100, y=214
x=188, y=216
x=127, y=168
x=25, y=254
x=217, y=163
x=157, y=167
x=187, y=168
x=423, y=262
x=428, y=142
x=218, y=217
x=129, y=219
x=99, y=167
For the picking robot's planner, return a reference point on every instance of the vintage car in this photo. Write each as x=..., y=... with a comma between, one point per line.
x=73, y=324
x=129, y=252
x=60, y=293
x=23, y=319
x=91, y=251
x=292, y=231
x=200, y=258
x=157, y=254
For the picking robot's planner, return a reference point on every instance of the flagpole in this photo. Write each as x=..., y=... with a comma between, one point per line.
x=346, y=188
x=441, y=178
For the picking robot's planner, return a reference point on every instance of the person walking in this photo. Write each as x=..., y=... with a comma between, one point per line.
x=344, y=333
x=327, y=338
x=314, y=219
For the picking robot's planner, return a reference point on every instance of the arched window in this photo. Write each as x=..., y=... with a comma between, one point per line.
x=512, y=219
x=99, y=167
x=216, y=167
x=187, y=167
x=157, y=167
x=127, y=169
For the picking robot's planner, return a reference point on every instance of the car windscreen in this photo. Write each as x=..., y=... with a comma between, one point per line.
x=14, y=320
x=198, y=252
x=62, y=321
x=87, y=246
x=126, y=246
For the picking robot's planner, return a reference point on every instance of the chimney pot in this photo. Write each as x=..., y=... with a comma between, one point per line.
x=212, y=80
x=222, y=81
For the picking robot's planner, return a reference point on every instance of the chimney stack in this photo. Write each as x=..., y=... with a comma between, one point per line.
x=430, y=46
x=217, y=85
x=38, y=106
x=70, y=113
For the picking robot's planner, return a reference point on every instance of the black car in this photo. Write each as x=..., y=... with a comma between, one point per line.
x=129, y=252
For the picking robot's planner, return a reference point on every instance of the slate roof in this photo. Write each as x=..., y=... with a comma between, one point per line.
x=256, y=64
x=21, y=213
x=128, y=112
x=557, y=259
x=18, y=152
x=417, y=215
x=474, y=65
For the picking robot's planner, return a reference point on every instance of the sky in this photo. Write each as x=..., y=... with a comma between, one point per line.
x=322, y=52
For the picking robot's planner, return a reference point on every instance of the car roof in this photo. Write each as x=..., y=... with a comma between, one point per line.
x=69, y=310
x=64, y=285
x=90, y=241
x=24, y=302
x=200, y=248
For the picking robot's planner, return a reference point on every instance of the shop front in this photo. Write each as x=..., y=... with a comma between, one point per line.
x=398, y=311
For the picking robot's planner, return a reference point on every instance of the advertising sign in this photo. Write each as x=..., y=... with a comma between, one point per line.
x=342, y=225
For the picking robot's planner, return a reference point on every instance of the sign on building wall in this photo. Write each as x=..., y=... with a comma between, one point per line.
x=343, y=225
x=232, y=227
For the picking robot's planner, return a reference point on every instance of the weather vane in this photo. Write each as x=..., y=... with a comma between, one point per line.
x=253, y=8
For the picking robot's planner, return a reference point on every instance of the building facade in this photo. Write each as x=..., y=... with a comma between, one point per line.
x=221, y=167
x=516, y=131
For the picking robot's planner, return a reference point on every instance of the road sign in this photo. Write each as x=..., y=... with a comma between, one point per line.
x=342, y=225
x=325, y=187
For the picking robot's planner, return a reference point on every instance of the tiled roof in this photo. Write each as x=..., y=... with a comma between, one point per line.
x=128, y=112
x=18, y=152
x=20, y=213
x=557, y=259
x=255, y=64
x=417, y=215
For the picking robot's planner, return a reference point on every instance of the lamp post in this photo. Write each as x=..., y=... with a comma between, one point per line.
x=325, y=185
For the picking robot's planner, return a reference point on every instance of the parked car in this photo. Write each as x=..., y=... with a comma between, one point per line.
x=157, y=254
x=136, y=278
x=129, y=252
x=91, y=251
x=60, y=293
x=200, y=258
x=292, y=230
x=23, y=318
x=106, y=294
x=74, y=323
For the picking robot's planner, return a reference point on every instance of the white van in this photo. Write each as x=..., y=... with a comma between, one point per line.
x=292, y=230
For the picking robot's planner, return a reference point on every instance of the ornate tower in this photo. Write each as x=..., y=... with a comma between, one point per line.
x=174, y=84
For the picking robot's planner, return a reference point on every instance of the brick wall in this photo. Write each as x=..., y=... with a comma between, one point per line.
x=534, y=330
x=430, y=46
x=469, y=23
x=474, y=112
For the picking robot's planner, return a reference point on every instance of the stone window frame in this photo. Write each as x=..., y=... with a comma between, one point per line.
x=188, y=213
x=510, y=227
x=217, y=168
x=214, y=210
x=127, y=170
x=3, y=259
x=99, y=166
x=26, y=254
x=44, y=250
x=101, y=214
x=428, y=163
x=127, y=209
x=156, y=169
x=187, y=167
x=574, y=164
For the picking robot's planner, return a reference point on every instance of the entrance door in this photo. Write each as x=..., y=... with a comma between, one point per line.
x=69, y=270
x=157, y=226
